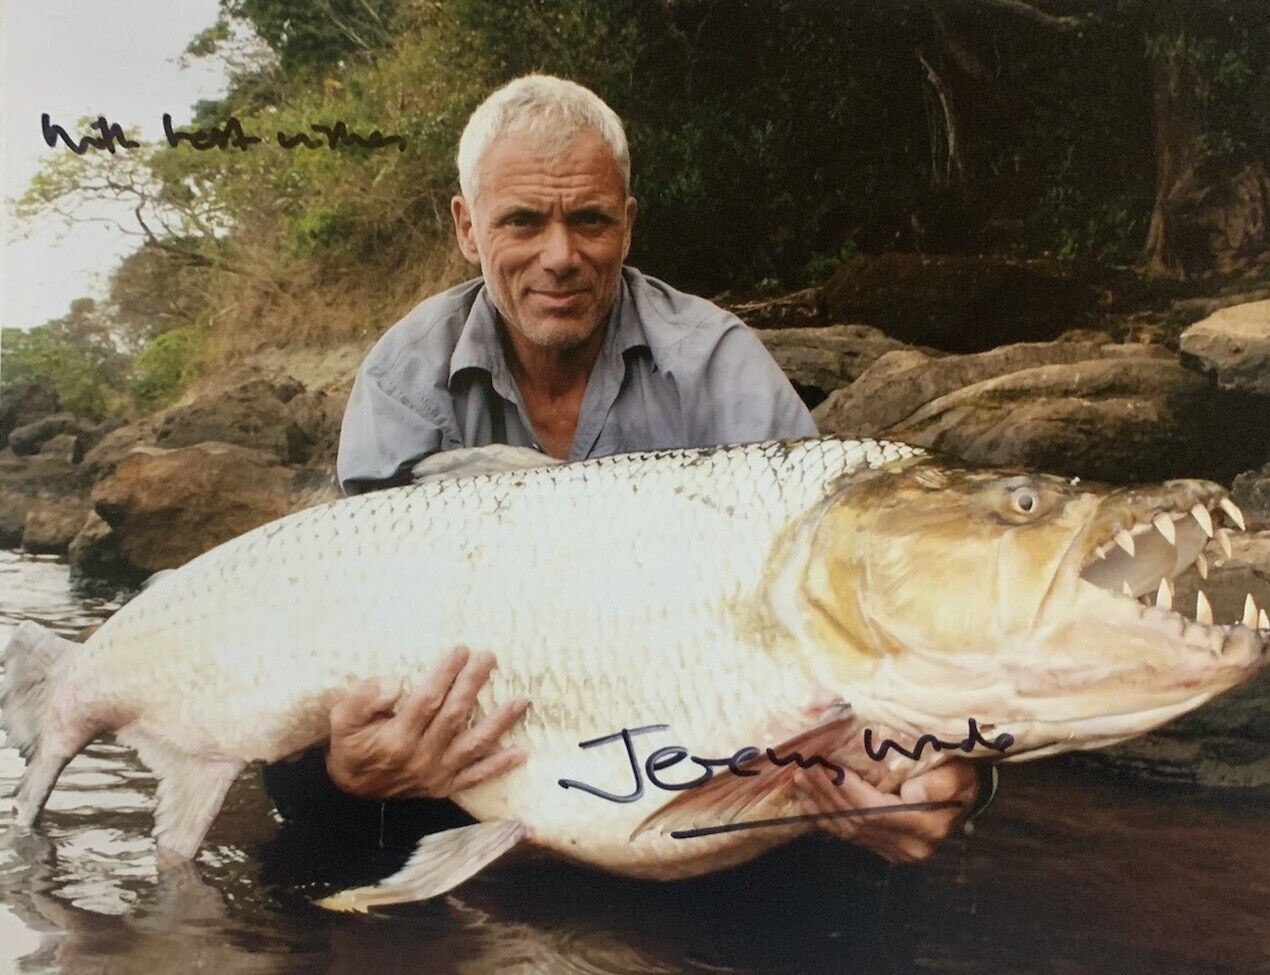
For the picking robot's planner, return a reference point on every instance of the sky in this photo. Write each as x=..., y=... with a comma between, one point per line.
x=75, y=58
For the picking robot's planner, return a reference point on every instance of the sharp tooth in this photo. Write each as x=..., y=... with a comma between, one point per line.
x=1223, y=537
x=1263, y=621
x=1164, y=595
x=1200, y=514
x=1250, y=612
x=1125, y=540
x=1201, y=563
x=1203, y=611
x=1164, y=524
x=1124, y=588
x=1236, y=515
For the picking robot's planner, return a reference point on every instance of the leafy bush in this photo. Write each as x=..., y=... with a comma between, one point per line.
x=37, y=353
x=162, y=368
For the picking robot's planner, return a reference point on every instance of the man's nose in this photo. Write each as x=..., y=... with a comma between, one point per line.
x=559, y=255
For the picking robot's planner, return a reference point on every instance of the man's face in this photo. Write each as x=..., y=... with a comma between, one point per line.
x=550, y=234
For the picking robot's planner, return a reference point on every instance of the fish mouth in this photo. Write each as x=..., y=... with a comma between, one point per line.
x=1150, y=543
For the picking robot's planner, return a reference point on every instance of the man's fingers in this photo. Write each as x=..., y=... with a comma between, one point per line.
x=496, y=764
x=483, y=738
x=361, y=705
x=452, y=717
x=954, y=780
x=419, y=709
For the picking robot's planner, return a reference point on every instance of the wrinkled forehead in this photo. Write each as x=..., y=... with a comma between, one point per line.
x=528, y=165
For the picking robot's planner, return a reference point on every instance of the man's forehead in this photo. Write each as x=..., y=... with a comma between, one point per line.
x=520, y=166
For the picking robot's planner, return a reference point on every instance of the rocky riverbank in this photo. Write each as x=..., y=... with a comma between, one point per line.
x=904, y=347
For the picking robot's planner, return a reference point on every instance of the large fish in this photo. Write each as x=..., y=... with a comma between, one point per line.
x=671, y=616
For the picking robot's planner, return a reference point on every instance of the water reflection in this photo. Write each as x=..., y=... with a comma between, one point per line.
x=1070, y=872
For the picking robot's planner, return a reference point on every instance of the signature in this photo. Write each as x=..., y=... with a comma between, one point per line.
x=230, y=135
x=737, y=763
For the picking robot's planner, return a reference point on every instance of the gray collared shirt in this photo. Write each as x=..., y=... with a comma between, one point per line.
x=674, y=371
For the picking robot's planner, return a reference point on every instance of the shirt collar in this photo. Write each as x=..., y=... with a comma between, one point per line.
x=479, y=346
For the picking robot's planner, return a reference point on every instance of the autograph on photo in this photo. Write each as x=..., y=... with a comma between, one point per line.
x=230, y=135
x=736, y=763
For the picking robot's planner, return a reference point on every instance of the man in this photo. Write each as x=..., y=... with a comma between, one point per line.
x=561, y=348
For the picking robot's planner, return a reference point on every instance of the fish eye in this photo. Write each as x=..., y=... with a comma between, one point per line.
x=1024, y=500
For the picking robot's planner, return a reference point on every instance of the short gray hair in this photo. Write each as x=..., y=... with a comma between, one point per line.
x=551, y=110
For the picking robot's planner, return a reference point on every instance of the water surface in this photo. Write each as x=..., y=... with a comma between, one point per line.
x=1071, y=871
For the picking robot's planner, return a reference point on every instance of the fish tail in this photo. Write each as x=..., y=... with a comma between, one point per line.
x=34, y=662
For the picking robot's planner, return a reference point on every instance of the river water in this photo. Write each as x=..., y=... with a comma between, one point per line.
x=1070, y=871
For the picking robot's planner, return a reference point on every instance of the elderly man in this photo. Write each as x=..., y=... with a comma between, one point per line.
x=557, y=347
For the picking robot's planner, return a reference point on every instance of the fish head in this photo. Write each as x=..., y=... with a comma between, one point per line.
x=1038, y=605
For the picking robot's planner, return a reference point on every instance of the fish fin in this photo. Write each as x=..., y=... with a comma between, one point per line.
x=728, y=798
x=189, y=795
x=491, y=459
x=439, y=863
x=33, y=664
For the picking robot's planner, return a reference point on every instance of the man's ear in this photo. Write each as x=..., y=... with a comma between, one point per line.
x=464, y=229
x=632, y=208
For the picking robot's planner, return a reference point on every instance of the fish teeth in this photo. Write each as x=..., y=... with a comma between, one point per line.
x=1200, y=514
x=1236, y=515
x=1203, y=609
x=1263, y=621
x=1201, y=564
x=1125, y=540
x=1164, y=595
x=1164, y=525
x=1223, y=538
x=1250, y=612
x=1124, y=587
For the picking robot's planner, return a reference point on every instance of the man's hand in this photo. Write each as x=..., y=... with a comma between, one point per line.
x=386, y=746
x=897, y=837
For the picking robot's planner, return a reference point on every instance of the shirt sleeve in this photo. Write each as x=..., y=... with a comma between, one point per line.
x=381, y=437
x=744, y=396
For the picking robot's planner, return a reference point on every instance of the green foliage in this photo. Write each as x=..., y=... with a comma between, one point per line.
x=38, y=353
x=162, y=368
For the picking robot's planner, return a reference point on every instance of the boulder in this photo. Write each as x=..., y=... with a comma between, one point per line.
x=1118, y=420
x=30, y=482
x=1233, y=345
x=318, y=416
x=94, y=555
x=68, y=446
x=165, y=507
x=24, y=402
x=1251, y=491
x=250, y=415
x=51, y=525
x=958, y=303
x=900, y=383
x=114, y=445
x=821, y=360
x=30, y=437
x=1227, y=741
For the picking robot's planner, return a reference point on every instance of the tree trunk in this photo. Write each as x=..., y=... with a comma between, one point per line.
x=1209, y=214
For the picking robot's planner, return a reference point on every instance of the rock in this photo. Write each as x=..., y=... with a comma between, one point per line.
x=114, y=445
x=1227, y=741
x=1118, y=420
x=318, y=416
x=29, y=482
x=24, y=402
x=1251, y=491
x=820, y=360
x=68, y=446
x=94, y=555
x=167, y=506
x=250, y=415
x=29, y=438
x=954, y=302
x=900, y=383
x=51, y=525
x=1233, y=344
